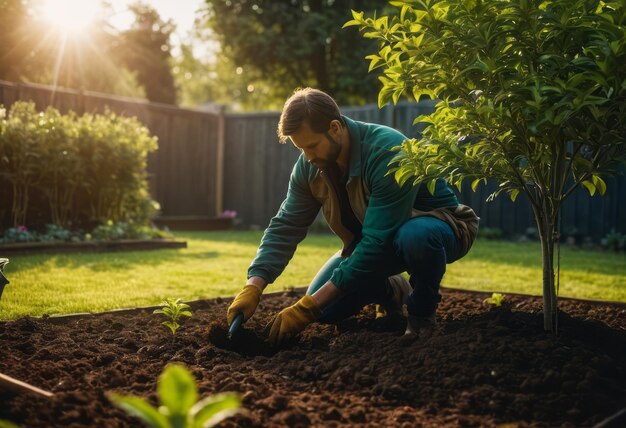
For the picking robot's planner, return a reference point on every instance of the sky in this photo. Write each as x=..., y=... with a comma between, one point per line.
x=182, y=12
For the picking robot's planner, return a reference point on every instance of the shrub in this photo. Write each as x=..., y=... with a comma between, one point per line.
x=490, y=233
x=85, y=169
x=615, y=241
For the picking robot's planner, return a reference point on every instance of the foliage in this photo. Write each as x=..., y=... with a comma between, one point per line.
x=533, y=95
x=7, y=424
x=490, y=233
x=496, y=299
x=111, y=231
x=179, y=408
x=279, y=46
x=145, y=49
x=86, y=169
x=173, y=310
x=18, y=234
x=34, y=51
x=615, y=241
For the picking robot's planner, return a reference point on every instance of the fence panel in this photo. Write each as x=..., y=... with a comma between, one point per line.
x=257, y=166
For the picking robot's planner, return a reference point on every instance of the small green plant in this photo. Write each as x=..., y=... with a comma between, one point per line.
x=179, y=408
x=173, y=310
x=615, y=241
x=18, y=234
x=496, y=299
x=490, y=233
x=126, y=230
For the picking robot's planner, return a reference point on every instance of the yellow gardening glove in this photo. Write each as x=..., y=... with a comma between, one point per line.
x=245, y=303
x=292, y=320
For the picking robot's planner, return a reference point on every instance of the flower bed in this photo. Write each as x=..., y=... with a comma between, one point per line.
x=479, y=366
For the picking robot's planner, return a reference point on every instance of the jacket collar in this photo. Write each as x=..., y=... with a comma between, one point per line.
x=355, y=146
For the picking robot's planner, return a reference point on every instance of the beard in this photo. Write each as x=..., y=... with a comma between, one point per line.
x=334, y=149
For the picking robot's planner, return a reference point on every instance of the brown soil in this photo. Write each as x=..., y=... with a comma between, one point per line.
x=479, y=366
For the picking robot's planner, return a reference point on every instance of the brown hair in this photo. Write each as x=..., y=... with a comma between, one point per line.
x=315, y=107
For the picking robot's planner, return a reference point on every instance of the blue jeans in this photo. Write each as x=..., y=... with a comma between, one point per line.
x=422, y=247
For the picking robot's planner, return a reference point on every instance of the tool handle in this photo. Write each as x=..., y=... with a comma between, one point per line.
x=235, y=325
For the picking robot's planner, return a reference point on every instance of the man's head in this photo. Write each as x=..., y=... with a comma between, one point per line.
x=311, y=120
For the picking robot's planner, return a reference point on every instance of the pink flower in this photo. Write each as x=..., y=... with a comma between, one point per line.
x=229, y=214
x=22, y=228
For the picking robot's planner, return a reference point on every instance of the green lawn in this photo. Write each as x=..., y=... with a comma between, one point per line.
x=215, y=264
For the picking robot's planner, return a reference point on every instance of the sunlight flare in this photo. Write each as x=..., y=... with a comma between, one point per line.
x=71, y=15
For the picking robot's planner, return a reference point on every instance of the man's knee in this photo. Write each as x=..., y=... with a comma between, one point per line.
x=416, y=242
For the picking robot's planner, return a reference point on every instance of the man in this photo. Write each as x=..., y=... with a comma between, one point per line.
x=386, y=229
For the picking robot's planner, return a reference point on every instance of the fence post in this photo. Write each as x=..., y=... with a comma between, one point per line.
x=219, y=161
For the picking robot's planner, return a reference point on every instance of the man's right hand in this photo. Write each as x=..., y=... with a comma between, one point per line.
x=245, y=303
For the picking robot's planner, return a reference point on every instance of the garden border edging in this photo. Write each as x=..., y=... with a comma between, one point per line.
x=14, y=249
x=204, y=303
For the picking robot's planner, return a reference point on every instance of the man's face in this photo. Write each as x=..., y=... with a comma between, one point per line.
x=319, y=149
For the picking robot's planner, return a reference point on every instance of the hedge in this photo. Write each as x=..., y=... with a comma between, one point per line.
x=72, y=171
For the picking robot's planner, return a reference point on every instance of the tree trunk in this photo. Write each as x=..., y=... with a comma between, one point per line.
x=546, y=224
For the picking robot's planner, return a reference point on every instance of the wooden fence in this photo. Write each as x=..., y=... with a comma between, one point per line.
x=209, y=161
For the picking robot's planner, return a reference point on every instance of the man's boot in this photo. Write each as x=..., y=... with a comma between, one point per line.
x=396, y=305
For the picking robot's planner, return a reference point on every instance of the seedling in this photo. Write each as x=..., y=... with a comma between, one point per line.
x=173, y=310
x=178, y=393
x=496, y=299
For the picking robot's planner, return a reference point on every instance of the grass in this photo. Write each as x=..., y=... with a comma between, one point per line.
x=215, y=264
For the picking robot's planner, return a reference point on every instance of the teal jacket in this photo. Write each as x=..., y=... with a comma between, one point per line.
x=376, y=199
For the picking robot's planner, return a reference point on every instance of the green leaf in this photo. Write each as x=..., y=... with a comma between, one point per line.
x=590, y=187
x=513, y=194
x=431, y=186
x=177, y=389
x=357, y=19
x=140, y=408
x=475, y=184
x=212, y=410
x=599, y=184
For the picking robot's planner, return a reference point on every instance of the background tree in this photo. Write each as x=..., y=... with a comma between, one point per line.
x=17, y=42
x=283, y=45
x=35, y=50
x=533, y=95
x=145, y=49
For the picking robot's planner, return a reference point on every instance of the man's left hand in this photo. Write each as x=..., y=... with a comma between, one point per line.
x=292, y=320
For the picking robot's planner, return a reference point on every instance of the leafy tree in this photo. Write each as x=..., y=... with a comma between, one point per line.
x=17, y=42
x=32, y=50
x=533, y=95
x=283, y=45
x=145, y=49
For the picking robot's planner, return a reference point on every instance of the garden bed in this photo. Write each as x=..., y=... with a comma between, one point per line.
x=479, y=366
x=8, y=250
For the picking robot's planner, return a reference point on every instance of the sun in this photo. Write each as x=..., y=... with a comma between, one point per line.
x=71, y=15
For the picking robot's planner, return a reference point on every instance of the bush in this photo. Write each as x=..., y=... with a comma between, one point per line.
x=490, y=233
x=123, y=230
x=73, y=171
x=614, y=241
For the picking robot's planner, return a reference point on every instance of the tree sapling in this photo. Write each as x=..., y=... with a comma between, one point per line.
x=173, y=310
